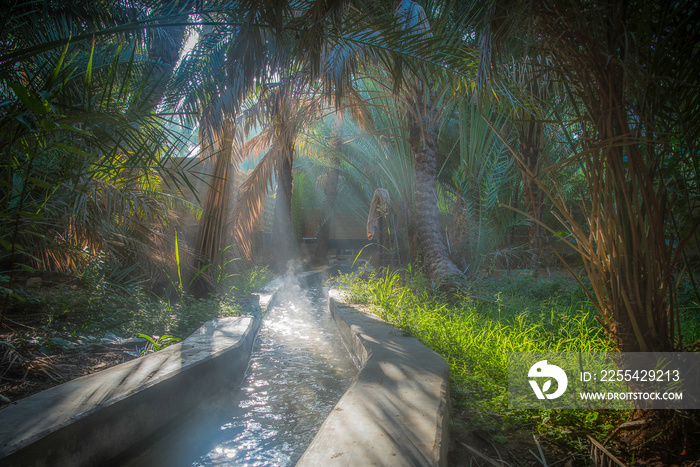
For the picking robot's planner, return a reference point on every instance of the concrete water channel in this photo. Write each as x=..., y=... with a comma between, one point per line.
x=318, y=386
x=298, y=371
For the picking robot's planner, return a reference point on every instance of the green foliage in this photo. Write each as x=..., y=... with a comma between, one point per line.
x=74, y=310
x=156, y=343
x=249, y=281
x=244, y=282
x=84, y=153
x=513, y=314
x=481, y=183
x=221, y=270
x=105, y=299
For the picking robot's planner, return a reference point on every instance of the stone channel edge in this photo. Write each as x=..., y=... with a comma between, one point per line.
x=395, y=414
x=119, y=406
x=397, y=411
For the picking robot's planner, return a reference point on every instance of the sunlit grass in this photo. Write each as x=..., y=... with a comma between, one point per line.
x=475, y=335
x=476, y=332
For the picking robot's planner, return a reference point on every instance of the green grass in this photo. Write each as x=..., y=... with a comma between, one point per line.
x=475, y=332
x=474, y=335
x=95, y=307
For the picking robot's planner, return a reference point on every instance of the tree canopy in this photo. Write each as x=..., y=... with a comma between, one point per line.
x=501, y=131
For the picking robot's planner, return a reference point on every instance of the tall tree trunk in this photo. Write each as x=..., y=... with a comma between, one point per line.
x=210, y=236
x=330, y=192
x=625, y=243
x=423, y=142
x=530, y=135
x=514, y=205
x=282, y=230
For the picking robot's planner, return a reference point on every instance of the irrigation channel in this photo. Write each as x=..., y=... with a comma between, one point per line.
x=298, y=371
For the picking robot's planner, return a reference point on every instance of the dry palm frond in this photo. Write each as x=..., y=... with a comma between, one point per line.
x=23, y=360
x=249, y=208
x=628, y=250
x=284, y=110
x=612, y=71
x=210, y=236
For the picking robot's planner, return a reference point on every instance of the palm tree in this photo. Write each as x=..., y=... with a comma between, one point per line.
x=286, y=125
x=530, y=73
x=82, y=144
x=485, y=177
x=268, y=45
x=263, y=47
x=330, y=180
x=424, y=105
x=422, y=124
x=627, y=123
x=621, y=67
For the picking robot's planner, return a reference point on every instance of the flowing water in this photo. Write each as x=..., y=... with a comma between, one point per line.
x=298, y=371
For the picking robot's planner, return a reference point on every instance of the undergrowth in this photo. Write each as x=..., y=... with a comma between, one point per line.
x=94, y=307
x=61, y=328
x=476, y=331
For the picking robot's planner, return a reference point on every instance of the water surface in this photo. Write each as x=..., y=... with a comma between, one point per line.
x=298, y=371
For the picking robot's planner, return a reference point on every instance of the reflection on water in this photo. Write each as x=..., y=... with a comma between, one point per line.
x=298, y=371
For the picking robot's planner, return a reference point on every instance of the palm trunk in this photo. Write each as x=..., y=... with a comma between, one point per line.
x=627, y=250
x=282, y=231
x=532, y=194
x=210, y=236
x=330, y=191
x=423, y=141
x=514, y=205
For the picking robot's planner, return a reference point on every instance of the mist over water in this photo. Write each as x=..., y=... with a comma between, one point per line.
x=298, y=371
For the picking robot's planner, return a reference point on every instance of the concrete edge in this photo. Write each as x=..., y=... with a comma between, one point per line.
x=94, y=418
x=397, y=411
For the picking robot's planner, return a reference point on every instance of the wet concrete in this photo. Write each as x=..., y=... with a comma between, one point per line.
x=298, y=370
x=396, y=413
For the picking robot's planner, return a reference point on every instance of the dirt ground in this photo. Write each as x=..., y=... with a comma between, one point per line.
x=477, y=447
x=651, y=439
x=30, y=362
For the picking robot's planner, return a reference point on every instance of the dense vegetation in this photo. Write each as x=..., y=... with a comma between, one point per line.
x=142, y=143
x=512, y=312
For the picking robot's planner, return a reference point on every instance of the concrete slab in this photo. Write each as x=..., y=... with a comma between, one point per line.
x=397, y=411
x=91, y=419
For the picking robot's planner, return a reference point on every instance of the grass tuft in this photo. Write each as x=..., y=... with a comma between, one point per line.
x=474, y=335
